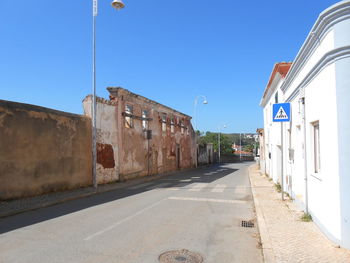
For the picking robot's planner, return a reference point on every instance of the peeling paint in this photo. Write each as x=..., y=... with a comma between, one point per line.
x=105, y=155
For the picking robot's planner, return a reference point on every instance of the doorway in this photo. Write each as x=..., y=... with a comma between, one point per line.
x=178, y=164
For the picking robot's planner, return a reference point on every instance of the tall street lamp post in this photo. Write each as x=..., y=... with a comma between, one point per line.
x=205, y=101
x=117, y=4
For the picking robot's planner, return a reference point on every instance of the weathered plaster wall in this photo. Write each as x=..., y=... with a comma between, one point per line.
x=107, y=167
x=42, y=150
x=205, y=154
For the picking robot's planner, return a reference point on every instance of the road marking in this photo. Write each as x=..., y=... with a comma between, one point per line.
x=169, y=180
x=198, y=187
x=219, y=188
x=207, y=200
x=122, y=221
x=140, y=185
x=174, y=188
x=163, y=185
x=240, y=190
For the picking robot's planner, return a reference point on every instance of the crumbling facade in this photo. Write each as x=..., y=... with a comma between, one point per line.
x=138, y=137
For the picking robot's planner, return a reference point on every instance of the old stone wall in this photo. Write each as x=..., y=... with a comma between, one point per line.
x=42, y=150
x=234, y=158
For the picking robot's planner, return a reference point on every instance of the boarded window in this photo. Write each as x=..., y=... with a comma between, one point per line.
x=128, y=116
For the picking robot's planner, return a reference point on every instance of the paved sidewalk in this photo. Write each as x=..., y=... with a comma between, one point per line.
x=284, y=237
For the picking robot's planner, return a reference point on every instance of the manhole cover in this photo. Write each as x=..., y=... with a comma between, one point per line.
x=182, y=255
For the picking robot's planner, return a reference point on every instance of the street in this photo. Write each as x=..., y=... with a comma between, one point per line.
x=200, y=211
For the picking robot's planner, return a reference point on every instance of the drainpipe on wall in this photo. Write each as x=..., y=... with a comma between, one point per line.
x=302, y=99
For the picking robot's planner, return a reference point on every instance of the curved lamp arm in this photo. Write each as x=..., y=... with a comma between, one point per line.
x=205, y=101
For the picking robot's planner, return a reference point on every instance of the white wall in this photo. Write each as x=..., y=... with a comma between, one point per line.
x=343, y=106
x=295, y=167
x=321, y=105
x=273, y=133
x=321, y=74
x=106, y=133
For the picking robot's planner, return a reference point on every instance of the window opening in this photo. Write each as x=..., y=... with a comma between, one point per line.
x=182, y=127
x=172, y=125
x=145, y=119
x=163, y=122
x=128, y=116
x=316, y=146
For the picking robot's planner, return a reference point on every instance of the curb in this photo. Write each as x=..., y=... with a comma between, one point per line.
x=267, y=249
x=47, y=204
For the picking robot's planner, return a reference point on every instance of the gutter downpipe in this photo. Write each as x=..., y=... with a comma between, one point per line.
x=302, y=99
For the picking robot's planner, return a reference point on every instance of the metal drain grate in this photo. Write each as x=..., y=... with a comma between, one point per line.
x=182, y=255
x=247, y=224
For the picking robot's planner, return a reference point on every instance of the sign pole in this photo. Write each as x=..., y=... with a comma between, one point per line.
x=281, y=113
x=282, y=181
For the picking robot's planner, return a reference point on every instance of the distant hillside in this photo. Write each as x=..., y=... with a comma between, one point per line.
x=247, y=138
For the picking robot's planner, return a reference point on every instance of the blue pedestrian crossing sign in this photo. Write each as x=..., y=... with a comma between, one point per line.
x=281, y=112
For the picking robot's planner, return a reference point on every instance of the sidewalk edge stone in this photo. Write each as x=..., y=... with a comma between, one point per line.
x=268, y=253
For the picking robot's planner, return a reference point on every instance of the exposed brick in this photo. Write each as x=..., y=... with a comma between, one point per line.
x=105, y=155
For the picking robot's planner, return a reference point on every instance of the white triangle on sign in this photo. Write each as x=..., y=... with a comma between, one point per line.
x=281, y=114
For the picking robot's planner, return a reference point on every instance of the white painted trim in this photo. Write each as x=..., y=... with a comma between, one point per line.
x=327, y=59
x=326, y=20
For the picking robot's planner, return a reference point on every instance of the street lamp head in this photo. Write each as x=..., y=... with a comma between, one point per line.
x=205, y=102
x=118, y=4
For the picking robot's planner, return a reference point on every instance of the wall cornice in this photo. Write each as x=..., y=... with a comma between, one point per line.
x=326, y=20
x=329, y=58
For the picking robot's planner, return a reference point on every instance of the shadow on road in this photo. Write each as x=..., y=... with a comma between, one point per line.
x=180, y=179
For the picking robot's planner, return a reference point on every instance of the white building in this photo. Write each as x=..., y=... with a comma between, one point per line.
x=316, y=143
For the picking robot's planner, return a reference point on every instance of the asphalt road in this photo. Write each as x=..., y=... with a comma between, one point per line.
x=200, y=211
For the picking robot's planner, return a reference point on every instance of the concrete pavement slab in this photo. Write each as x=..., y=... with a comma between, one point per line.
x=284, y=237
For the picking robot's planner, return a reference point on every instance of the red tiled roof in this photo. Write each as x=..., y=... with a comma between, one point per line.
x=282, y=68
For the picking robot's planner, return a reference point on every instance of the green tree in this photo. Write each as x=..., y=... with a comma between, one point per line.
x=212, y=137
x=248, y=148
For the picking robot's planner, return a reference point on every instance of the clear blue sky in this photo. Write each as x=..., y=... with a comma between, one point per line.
x=168, y=51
